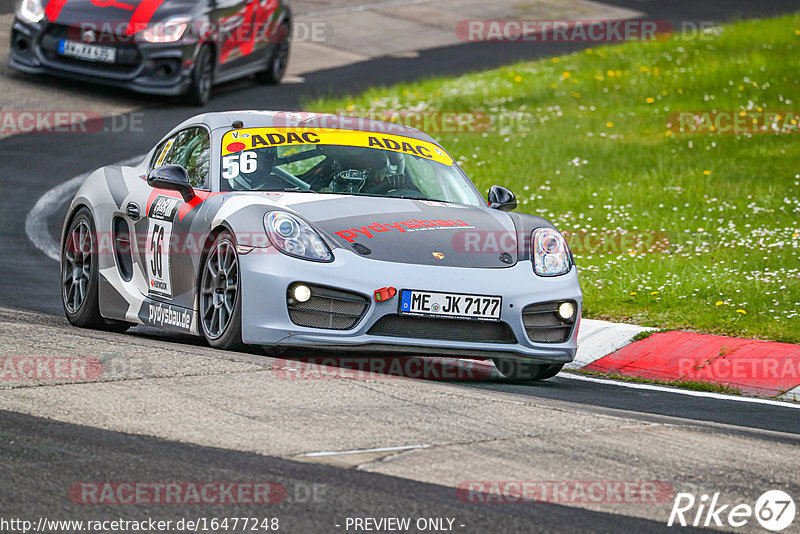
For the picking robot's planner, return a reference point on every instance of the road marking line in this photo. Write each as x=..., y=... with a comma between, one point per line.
x=678, y=391
x=361, y=451
x=36, y=221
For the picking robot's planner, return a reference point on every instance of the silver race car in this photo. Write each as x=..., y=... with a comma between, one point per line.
x=289, y=230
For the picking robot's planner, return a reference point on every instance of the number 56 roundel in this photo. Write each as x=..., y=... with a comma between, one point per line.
x=159, y=233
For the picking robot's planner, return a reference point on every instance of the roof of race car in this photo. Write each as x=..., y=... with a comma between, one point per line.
x=301, y=119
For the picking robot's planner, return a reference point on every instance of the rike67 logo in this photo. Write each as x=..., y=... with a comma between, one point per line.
x=774, y=510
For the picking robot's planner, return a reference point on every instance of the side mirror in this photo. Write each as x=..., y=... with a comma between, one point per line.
x=172, y=177
x=502, y=199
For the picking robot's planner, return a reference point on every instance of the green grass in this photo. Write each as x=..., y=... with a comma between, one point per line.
x=583, y=140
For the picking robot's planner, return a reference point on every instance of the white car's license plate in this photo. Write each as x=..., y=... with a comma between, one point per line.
x=89, y=52
x=452, y=305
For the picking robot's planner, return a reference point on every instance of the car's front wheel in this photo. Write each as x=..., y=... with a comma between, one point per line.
x=520, y=370
x=220, y=295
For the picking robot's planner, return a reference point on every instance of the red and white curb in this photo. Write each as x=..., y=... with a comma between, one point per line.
x=762, y=368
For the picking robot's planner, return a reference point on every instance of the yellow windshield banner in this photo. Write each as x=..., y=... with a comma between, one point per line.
x=251, y=138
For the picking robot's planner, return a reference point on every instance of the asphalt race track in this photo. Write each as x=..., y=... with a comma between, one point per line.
x=44, y=450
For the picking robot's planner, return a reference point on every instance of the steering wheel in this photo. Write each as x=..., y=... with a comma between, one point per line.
x=399, y=193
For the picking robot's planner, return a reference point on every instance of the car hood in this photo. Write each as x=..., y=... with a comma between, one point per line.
x=411, y=231
x=114, y=17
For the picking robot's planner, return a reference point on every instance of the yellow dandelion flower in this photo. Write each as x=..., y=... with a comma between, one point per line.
x=742, y=312
x=644, y=68
x=589, y=51
x=610, y=73
x=633, y=293
x=553, y=85
x=351, y=107
x=650, y=100
x=609, y=125
x=669, y=133
x=555, y=60
x=566, y=75
x=654, y=293
x=518, y=78
x=707, y=173
x=742, y=113
x=719, y=303
x=795, y=235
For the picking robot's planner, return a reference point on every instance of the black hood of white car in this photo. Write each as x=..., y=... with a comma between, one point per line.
x=412, y=231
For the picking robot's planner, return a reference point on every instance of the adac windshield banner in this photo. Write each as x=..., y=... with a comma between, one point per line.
x=252, y=138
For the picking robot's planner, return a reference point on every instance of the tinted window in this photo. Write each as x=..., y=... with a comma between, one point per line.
x=190, y=148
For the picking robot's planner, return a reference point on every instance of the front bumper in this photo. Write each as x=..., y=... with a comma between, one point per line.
x=163, y=69
x=267, y=274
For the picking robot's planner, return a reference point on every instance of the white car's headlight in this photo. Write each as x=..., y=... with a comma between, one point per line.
x=31, y=10
x=168, y=31
x=550, y=253
x=295, y=237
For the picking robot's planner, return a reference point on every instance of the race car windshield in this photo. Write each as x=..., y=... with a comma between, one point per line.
x=346, y=170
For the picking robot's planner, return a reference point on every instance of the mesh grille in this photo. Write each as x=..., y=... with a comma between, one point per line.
x=543, y=325
x=328, y=308
x=443, y=329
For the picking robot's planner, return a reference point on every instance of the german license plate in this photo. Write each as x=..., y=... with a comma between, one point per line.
x=451, y=305
x=88, y=52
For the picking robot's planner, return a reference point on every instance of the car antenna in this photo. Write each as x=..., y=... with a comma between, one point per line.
x=237, y=124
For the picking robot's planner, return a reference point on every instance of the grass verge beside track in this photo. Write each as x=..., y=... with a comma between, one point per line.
x=693, y=231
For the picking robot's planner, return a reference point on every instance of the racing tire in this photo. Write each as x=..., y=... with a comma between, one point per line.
x=550, y=371
x=525, y=371
x=79, y=273
x=278, y=61
x=219, y=295
x=199, y=92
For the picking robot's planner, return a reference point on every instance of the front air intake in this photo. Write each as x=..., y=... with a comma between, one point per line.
x=327, y=308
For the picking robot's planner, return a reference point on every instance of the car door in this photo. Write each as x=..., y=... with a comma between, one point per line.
x=244, y=31
x=167, y=241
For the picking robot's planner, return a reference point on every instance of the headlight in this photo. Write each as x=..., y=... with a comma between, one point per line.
x=295, y=237
x=550, y=253
x=31, y=10
x=169, y=31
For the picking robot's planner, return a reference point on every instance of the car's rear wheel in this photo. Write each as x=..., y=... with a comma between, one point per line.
x=220, y=295
x=79, y=272
x=79, y=276
x=199, y=92
x=279, y=60
x=521, y=370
